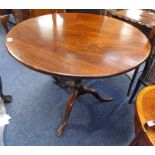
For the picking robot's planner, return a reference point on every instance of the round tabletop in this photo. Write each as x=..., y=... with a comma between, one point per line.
x=78, y=45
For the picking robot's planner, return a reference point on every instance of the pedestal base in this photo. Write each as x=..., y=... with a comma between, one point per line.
x=78, y=89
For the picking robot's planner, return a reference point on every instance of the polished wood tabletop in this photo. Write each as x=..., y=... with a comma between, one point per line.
x=78, y=45
x=143, y=17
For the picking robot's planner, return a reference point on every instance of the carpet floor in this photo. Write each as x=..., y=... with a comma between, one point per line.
x=38, y=106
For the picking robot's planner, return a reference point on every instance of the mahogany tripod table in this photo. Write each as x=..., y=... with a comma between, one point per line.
x=77, y=46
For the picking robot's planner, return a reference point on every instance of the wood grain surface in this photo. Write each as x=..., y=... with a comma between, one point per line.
x=78, y=45
x=140, y=16
x=145, y=109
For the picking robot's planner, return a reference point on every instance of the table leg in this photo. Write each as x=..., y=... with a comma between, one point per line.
x=86, y=89
x=67, y=112
x=6, y=98
x=4, y=20
x=78, y=89
x=60, y=82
